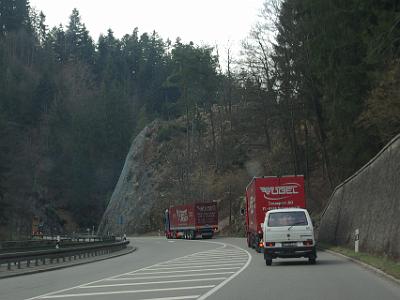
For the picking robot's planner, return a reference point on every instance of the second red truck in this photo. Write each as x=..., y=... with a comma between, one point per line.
x=266, y=193
x=190, y=221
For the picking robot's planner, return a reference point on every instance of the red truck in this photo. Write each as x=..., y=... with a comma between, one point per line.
x=191, y=220
x=266, y=193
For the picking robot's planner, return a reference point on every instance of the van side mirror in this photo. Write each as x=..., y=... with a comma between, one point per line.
x=242, y=211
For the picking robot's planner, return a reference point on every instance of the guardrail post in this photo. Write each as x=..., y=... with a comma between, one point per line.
x=19, y=264
x=36, y=262
x=28, y=263
x=9, y=266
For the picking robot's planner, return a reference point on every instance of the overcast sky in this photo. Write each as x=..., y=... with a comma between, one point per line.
x=211, y=22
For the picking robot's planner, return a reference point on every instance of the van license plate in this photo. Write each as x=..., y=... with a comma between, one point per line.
x=289, y=244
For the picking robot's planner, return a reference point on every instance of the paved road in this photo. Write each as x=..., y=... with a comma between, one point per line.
x=214, y=269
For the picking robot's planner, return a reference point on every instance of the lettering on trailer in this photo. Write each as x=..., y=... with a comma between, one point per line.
x=286, y=190
x=182, y=215
x=206, y=207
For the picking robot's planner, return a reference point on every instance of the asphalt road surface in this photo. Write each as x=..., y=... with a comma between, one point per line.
x=222, y=268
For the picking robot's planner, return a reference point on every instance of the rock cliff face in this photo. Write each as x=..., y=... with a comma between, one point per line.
x=368, y=201
x=135, y=193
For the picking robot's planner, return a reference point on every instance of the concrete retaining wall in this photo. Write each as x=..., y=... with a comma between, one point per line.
x=368, y=201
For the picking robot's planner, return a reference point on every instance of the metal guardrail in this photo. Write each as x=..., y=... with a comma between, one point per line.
x=43, y=257
x=48, y=242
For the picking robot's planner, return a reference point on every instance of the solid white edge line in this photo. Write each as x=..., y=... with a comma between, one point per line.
x=127, y=292
x=213, y=290
x=152, y=282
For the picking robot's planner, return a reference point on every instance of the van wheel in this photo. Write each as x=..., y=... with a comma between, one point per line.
x=268, y=261
x=312, y=260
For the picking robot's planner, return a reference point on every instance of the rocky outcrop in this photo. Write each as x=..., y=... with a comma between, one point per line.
x=134, y=196
x=368, y=201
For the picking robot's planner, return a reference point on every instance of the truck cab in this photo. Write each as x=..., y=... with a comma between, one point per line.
x=288, y=233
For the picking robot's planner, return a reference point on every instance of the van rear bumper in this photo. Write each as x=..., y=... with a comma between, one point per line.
x=295, y=252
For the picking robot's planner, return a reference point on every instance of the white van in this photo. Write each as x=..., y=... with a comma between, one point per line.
x=288, y=233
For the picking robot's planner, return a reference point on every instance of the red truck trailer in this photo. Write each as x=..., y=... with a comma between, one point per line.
x=191, y=220
x=266, y=193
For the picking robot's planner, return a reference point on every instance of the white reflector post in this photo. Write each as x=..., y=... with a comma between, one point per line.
x=356, y=240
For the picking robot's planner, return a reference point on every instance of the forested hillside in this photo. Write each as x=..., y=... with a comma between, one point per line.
x=316, y=92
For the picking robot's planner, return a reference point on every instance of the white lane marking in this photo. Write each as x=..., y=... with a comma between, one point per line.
x=205, y=258
x=210, y=259
x=219, y=286
x=215, y=288
x=115, y=276
x=225, y=252
x=185, y=271
x=168, y=276
x=174, y=298
x=195, y=266
x=199, y=262
x=209, y=264
x=128, y=292
x=218, y=252
x=215, y=253
x=171, y=241
x=153, y=282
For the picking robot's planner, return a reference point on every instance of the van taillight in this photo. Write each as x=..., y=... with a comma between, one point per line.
x=308, y=243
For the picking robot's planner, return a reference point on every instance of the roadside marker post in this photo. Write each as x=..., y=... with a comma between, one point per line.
x=356, y=240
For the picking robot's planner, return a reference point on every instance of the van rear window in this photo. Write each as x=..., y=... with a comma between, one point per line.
x=292, y=218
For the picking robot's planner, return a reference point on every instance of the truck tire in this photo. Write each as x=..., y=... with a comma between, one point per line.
x=257, y=245
x=252, y=244
x=268, y=261
x=248, y=241
x=312, y=260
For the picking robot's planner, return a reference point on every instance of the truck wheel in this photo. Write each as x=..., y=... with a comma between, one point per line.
x=257, y=245
x=253, y=245
x=248, y=241
x=312, y=260
x=268, y=261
